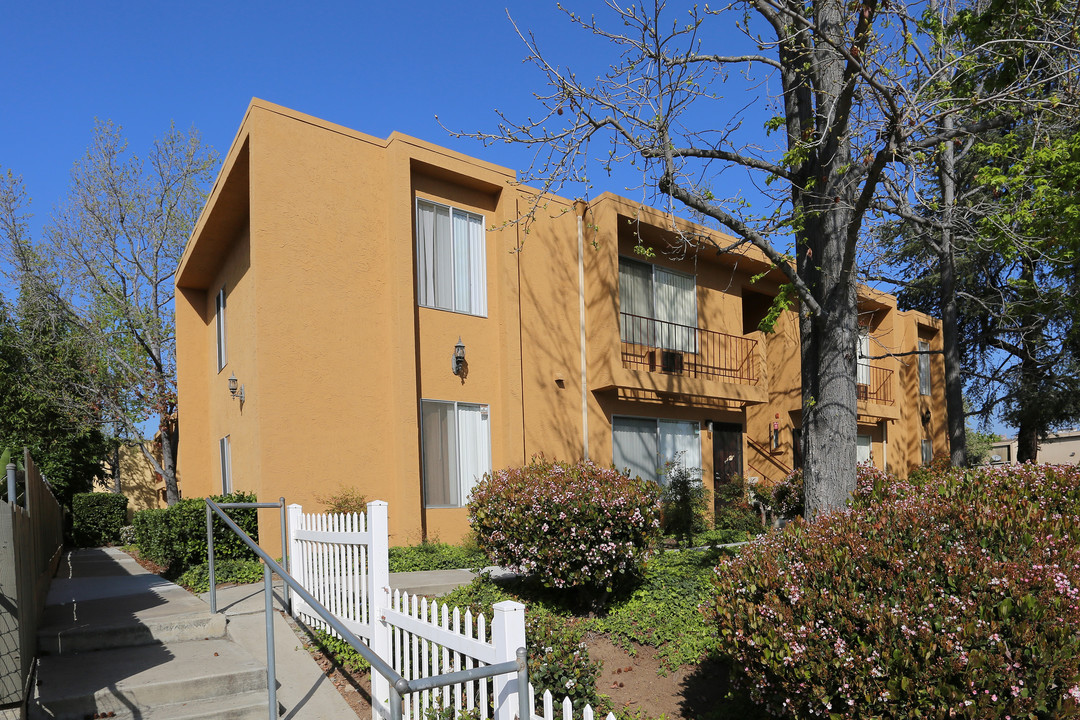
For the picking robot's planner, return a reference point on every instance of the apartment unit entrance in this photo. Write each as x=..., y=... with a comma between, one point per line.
x=727, y=452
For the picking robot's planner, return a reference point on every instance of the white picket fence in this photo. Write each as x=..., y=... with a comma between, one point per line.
x=342, y=560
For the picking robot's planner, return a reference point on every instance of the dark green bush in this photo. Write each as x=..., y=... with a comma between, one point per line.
x=731, y=511
x=568, y=525
x=226, y=572
x=685, y=502
x=434, y=556
x=960, y=598
x=341, y=652
x=176, y=536
x=153, y=535
x=96, y=518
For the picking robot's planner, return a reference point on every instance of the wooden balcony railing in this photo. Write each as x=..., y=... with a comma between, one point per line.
x=874, y=384
x=665, y=347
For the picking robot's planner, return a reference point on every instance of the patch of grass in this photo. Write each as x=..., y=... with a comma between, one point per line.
x=434, y=555
x=340, y=651
x=240, y=572
x=664, y=611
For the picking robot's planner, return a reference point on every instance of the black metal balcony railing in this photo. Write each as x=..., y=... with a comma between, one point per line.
x=874, y=384
x=660, y=346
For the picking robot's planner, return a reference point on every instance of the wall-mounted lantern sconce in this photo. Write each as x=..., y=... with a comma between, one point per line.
x=457, y=362
x=235, y=388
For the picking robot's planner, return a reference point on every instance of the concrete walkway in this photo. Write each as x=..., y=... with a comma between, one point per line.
x=118, y=639
x=303, y=691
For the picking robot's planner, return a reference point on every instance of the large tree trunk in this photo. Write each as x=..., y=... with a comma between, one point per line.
x=829, y=416
x=168, y=459
x=825, y=201
x=950, y=333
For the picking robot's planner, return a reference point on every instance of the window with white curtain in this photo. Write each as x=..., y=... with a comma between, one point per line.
x=863, y=357
x=225, y=453
x=863, y=448
x=451, y=259
x=642, y=446
x=924, y=368
x=456, y=450
x=650, y=292
x=219, y=314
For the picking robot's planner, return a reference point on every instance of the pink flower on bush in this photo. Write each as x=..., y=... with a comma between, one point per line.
x=583, y=525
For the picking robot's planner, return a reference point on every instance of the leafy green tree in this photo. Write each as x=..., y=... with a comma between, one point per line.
x=105, y=266
x=856, y=94
x=68, y=449
x=971, y=249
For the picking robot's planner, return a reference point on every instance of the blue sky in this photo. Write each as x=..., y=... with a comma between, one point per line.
x=375, y=67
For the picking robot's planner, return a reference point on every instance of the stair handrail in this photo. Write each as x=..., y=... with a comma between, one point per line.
x=399, y=686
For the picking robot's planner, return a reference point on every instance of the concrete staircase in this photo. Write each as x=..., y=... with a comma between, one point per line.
x=117, y=641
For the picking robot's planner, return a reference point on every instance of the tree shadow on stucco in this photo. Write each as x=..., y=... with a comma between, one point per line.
x=709, y=694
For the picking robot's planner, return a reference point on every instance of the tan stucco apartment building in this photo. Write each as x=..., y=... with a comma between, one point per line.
x=332, y=275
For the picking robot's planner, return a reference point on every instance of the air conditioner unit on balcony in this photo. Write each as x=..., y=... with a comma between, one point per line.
x=671, y=362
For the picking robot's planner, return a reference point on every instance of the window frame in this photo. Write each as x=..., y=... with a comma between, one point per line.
x=463, y=492
x=925, y=386
x=225, y=457
x=656, y=336
x=476, y=275
x=658, y=478
x=219, y=315
x=927, y=449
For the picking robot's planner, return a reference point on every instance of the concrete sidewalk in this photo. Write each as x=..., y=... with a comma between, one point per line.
x=116, y=638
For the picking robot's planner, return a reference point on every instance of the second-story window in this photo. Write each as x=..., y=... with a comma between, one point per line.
x=451, y=260
x=863, y=355
x=658, y=307
x=219, y=314
x=924, y=368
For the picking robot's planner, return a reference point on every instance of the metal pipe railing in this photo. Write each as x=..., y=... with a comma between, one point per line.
x=280, y=504
x=398, y=685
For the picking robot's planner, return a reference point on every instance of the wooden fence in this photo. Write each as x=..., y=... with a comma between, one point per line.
x=342, y=560
x=31, y=540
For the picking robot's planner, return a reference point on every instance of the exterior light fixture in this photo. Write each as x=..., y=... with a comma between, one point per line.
x=457, y=362
x=235, y=388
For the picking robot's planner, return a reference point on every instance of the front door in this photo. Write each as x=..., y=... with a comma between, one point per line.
x=727, y=452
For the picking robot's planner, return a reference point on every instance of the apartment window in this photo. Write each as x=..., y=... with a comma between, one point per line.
x=924, y=368
x=927, y=452
x=225, y=453
x=451, y=260
x=658, y=307
x=219, y=314
x=863, y=355
x=863, y=448
x=642, y=446
x=456, y=450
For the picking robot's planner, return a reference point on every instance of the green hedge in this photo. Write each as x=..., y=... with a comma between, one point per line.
x=176, y=536
x=96, y=518
x=435, y=556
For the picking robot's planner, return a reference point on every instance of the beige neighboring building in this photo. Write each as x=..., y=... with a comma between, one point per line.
x=1062, y=448
x=139, y=481
x=331, y=275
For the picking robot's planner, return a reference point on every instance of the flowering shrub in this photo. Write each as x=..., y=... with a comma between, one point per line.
x=959, y=600
x=788, y=497
x=570, y=526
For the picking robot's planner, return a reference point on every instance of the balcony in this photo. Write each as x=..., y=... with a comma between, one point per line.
x=665, y=347
x=874, y=384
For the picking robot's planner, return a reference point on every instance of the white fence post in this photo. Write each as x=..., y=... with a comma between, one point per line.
x=379, y=600
x=507, y=634
x=296, y=564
